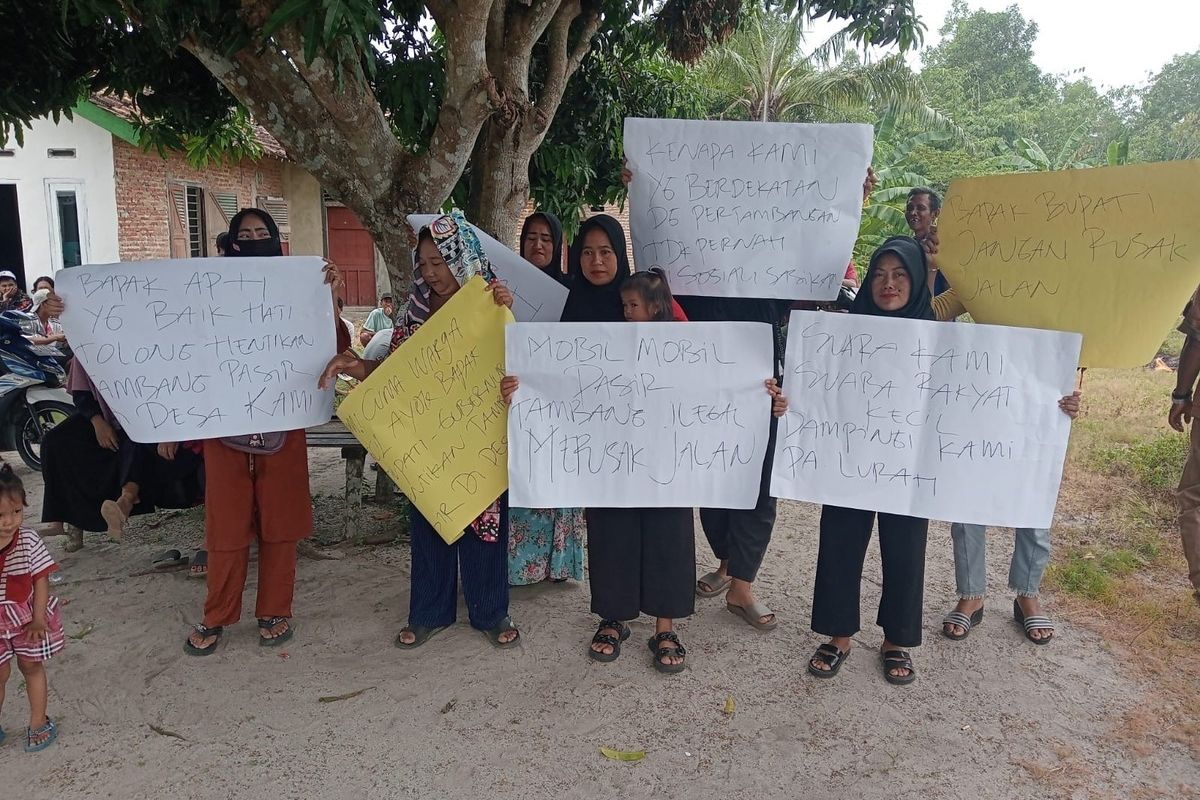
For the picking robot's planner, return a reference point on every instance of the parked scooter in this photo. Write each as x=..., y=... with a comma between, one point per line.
x=32, y=395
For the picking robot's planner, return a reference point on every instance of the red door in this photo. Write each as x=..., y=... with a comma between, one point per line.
x=351, y=248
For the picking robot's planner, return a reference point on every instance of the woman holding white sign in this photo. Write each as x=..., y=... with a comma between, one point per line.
x=256, y=490
x=894, y=287
x=544, y=543
x=448, y=255
x=642, y=560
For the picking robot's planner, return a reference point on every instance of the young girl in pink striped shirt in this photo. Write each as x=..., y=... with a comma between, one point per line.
x=30, y=625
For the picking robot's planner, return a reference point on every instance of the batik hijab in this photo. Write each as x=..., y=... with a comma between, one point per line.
x=459, y=247
x=919, y=305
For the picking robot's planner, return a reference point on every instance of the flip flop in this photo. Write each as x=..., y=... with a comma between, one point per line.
x=192, y=650
x=116, y=519
x=49, y=728
x=503, y=626
x=200, y=559
x=421, y=634
x=274, y=641
x=713, y=580
x=831, y=657
x=1030, y=624
x=963, y=621
x=169, y=560
x=752, y=613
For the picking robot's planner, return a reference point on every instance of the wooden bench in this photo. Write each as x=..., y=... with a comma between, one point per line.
x=335, y=434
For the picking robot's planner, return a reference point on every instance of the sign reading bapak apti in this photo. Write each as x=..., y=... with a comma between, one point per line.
x=205, y=347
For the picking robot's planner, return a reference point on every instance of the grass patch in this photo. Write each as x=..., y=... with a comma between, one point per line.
x=1155, y=463
x=1093, y=576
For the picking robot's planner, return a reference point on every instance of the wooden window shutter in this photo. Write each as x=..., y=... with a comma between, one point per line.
x=277, y=207
x=177, y=220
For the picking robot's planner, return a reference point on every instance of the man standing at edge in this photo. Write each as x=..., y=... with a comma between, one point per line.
x=1180, y=415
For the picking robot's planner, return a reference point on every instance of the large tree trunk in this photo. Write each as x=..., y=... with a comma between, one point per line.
x=516, y=129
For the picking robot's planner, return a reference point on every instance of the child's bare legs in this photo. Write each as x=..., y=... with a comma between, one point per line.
x=36, y=688
x=116, y=512
x=5, y=671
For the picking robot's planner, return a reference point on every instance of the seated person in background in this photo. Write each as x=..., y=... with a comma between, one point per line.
x=11, y=296
x=341, y=304
x=222, y=242
x=381, y=319
x=379, y=346
x=52, y=331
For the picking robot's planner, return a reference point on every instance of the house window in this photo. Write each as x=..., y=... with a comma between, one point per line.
x=68, y=223
x=197, y=242
x=6, y=153
x=60, y=152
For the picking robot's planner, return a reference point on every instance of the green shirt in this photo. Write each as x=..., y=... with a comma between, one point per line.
x=378, y=321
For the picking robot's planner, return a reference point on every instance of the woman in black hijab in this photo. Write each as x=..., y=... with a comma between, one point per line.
x=895, y=286
x=541, y=244
x=598, y=265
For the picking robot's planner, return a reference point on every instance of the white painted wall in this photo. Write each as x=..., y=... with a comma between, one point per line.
x=90, y=172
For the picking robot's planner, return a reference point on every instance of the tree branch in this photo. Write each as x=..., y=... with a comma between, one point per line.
x=564, y=59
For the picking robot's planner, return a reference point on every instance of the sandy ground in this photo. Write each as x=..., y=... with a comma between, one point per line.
x=992, y=717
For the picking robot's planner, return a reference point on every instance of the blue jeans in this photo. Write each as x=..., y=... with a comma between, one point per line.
x=1031, y=554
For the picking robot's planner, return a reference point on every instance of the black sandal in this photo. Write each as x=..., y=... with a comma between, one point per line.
x=193, y=650
x=420, y=633
x=274, y=641
x=831, y=657
x=898, y=659
x=613, y=641
x=503, y=626
x=659, y=651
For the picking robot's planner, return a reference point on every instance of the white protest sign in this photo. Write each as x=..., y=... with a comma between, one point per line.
x=536, y=296
x=925, y=419
x=204, y=347
x=654, y=414
x=746, y=209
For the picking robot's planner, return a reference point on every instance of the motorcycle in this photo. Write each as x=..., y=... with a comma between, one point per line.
x=32, y=395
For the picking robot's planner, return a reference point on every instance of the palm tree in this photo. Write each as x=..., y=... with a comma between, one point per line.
x=764, y=73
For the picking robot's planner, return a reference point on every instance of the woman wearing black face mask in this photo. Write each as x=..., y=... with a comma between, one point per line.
x=253, y=496
x=253, y=233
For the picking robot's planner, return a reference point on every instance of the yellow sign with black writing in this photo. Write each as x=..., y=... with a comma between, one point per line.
x=1112, y=253
x=432, y=416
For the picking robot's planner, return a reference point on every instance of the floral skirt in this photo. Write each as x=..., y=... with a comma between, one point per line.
x=545, y=544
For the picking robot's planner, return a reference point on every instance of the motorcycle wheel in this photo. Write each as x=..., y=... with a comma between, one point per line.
x=47, y=413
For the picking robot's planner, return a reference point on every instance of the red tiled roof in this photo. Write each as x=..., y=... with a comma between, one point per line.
x=124, y=108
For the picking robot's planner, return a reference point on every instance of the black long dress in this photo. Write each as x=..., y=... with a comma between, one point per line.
x=80, y=475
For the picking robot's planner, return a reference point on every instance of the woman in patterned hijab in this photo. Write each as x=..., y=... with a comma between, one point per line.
x=448, y=255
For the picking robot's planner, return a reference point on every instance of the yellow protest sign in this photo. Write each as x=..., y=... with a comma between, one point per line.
x=1113, y=253
x=432, y=416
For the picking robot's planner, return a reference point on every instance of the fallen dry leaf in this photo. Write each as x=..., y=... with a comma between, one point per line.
x=623, y=755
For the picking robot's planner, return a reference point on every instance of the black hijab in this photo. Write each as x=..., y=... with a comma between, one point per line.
x=554, y=268
x=919, y=305
x=254, y=247
x=586, y=301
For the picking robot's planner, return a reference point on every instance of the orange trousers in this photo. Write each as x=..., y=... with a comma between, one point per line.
x=247, y=499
